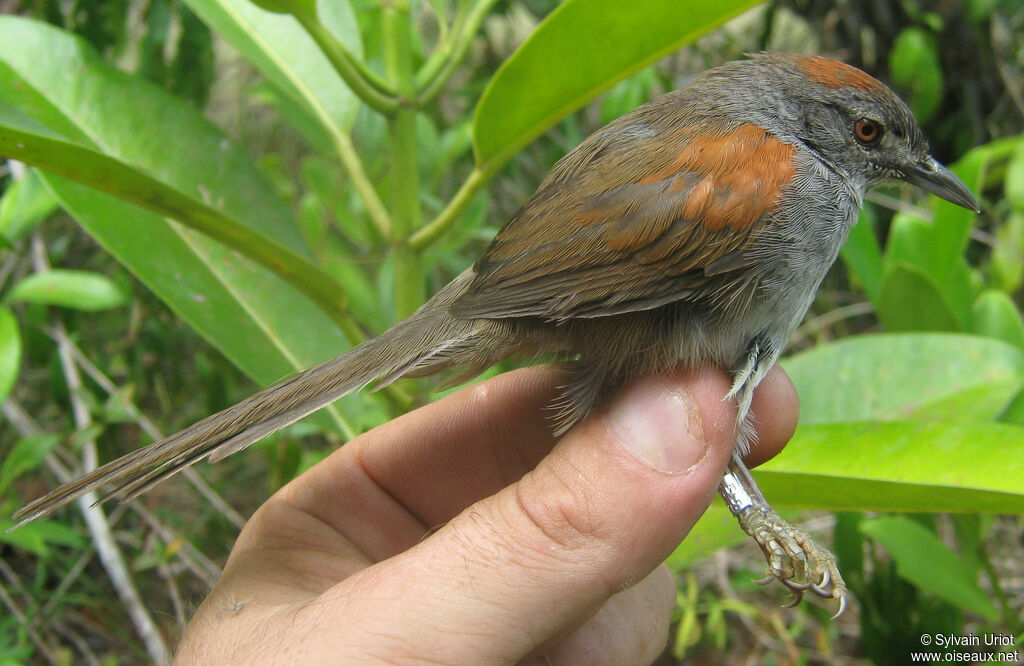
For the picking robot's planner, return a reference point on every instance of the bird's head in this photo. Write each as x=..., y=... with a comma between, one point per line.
x=852, y=121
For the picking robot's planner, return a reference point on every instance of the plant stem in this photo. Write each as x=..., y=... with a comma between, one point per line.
x=445, y=47
x=479, y=177
x=363, y=81
x=433, y=81
x=379, y=215
x=404, y=186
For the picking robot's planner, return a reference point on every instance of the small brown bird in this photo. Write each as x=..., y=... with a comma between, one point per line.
x=694, y=230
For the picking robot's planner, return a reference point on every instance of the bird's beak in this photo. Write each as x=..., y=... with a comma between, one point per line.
x=933, y=177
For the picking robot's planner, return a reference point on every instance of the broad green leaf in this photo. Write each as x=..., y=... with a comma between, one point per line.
x=935, y=251
x=960, y=291
x=24, y=204
x=910, y=300
x=72, y=97
x=114, y=177
x=10, y=351
x=894, y=467
x=936, y=247
x=916, y=71
x=283, y=51
x=927, y=563
x=1006, y=264
x=263, y=325
x=996, y=316
x=1013, y=410
x=560, y=67
x=26, y=454
x=1014, y=181
x=895, y=376
x=863, y=256
x=193, y=173
x=900, y=467
x=79, y=290
x=984, y=402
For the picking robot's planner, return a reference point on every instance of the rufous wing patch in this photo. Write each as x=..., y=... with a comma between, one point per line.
x=834, y=74
x=699, y=196
x=734, y=178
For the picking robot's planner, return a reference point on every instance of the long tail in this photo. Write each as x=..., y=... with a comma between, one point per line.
x=428, y=340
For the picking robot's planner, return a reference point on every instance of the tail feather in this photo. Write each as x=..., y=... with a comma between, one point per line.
x=427, y=341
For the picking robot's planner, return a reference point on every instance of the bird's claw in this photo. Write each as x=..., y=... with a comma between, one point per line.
x=794, y=559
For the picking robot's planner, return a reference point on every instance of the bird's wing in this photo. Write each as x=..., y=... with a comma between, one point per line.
x=640, y=217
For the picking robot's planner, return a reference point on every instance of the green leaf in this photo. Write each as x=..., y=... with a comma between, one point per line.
x=24, y=204
x=910, y=300
x=893, y=467
x=996, y=316
x=936, y=251
x=916, y=71
x=926, y=562
x=78, y=290
x=26, y=455
x=194, y=175
x=900, y=467
x=1013, y=410
x=558, y=69
x=1014, y=181
x=10, y=351
x=306, y=7
x=1007, y=260
x=283, y=51
x=263, y=325
x=85, y=111
x=979, y=10
x=895, y=376
x=38, y=536
x=937, y=247
x=119, y=406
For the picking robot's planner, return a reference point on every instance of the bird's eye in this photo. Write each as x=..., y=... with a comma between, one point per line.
x=867, y=131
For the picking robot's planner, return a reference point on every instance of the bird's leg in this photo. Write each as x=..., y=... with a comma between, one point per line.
x=794, y=559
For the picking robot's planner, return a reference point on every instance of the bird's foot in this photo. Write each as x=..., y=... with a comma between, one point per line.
x=794, y=559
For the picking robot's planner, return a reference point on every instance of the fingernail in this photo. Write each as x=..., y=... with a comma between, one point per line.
x=659, y=423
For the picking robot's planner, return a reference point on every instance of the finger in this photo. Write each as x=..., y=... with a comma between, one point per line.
x=443, y=457
x=631, y=628
x=598, y=514
x=385, y=489
x=775, y=411
x=435, y=461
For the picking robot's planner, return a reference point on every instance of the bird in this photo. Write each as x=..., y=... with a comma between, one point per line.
x=694, y=230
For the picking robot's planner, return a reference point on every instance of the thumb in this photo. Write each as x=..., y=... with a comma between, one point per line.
x=598, y=514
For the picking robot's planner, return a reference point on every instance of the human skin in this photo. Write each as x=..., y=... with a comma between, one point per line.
x=464, y=532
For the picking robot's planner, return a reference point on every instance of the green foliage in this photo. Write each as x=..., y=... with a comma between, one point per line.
x=914, y=66
x=79, y=290
x=23, y=205
x=558, y=69
x=926, y=562
x=10, y=351
x=172, y=47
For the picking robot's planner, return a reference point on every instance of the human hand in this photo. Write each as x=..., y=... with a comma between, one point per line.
x=543, y=548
